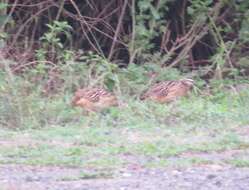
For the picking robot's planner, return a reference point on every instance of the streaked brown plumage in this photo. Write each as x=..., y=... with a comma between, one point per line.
x=167, y=91
x=94, y=99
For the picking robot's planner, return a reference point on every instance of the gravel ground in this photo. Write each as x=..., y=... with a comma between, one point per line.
x=13, y=177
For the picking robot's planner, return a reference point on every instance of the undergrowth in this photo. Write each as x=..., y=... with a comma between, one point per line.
x=40, y=114
x=29, y=100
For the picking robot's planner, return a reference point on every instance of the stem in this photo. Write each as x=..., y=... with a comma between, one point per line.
x=133, y=34
x=117, y=30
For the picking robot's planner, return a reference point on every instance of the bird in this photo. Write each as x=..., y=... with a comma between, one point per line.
x=168, y=91
x=94, y=99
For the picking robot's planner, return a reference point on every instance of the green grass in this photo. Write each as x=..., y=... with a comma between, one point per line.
x=242, y=162
x=46, y=130
x=149, y=134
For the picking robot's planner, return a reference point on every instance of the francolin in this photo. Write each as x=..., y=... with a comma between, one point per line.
x=167, y=91
x=94, y=99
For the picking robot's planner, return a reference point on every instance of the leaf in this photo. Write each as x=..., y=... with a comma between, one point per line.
x=3, y=6
x=154, y=13
x=4, y=19
x=190, y=10
x=144, y=5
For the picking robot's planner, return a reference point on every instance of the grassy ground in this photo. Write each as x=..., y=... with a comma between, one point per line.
x=41, y=129
x=192, y=131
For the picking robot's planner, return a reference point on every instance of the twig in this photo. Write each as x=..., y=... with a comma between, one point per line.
x=117, y=29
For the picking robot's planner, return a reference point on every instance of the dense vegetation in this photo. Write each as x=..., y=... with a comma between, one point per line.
x=50, y=48
x=170, y=33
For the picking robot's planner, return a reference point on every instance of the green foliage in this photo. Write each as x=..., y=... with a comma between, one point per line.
x=243, y=63
x=149, y=23
x=244, y=31
x=242, y=17
x=24, y=104
x=199, y=8
x=239, y=162
x=52, y=47
x=54, y=29
x=101, y=71
x=136, y=78
x=3, y=16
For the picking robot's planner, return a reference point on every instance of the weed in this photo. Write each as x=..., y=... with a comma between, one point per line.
x=243, y=162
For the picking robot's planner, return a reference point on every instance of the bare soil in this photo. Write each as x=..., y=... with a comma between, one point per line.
x=206, y=177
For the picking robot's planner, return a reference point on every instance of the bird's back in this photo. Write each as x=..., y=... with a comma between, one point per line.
x=167, y=91
x=94, y=99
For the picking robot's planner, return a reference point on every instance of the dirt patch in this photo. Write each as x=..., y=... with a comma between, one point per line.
x=243, y=131
x=15, y=177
